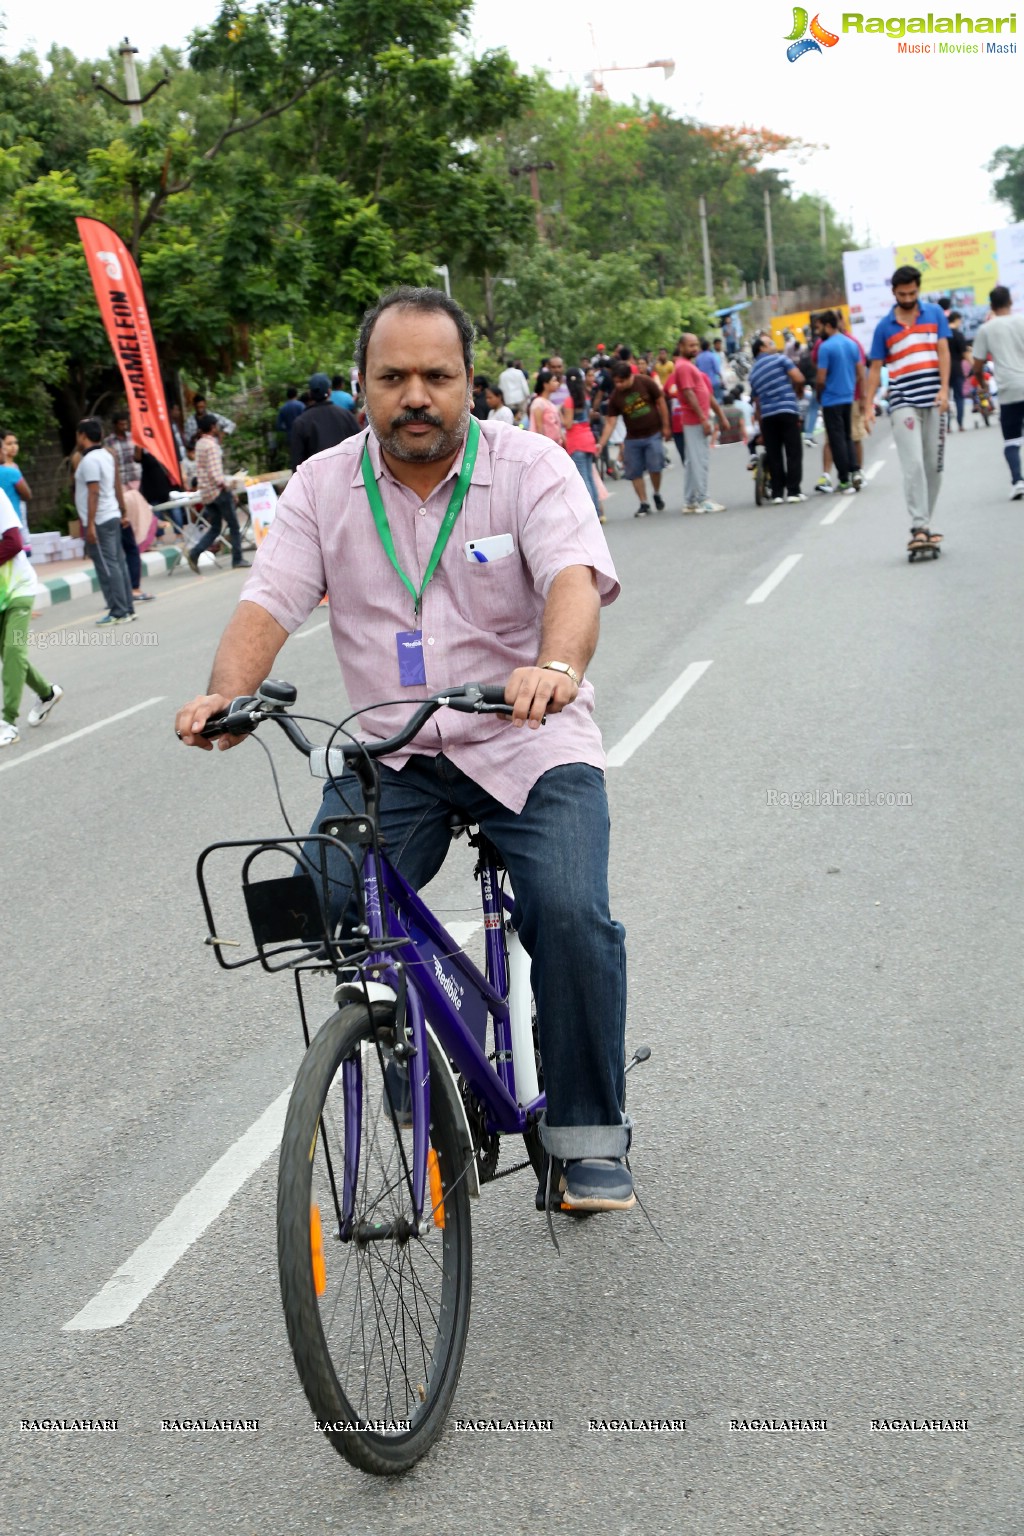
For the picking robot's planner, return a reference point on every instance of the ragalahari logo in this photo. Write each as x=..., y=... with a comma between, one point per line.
x=799, y=43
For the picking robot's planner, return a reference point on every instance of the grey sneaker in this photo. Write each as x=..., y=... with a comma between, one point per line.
x=597, y=1184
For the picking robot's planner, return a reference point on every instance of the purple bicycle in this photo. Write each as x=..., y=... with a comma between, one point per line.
x=399, y=1106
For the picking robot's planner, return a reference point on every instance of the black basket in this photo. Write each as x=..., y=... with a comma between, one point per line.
x=287, y=913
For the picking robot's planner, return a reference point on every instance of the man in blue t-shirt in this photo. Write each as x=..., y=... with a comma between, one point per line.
x=339, y=394
x=840, y=373
x=775, y=383
x=710, y=364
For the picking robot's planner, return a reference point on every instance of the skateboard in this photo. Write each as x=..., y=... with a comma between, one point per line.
x=924, y=546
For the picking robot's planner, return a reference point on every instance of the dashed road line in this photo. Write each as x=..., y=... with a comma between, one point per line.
x=129, y=1286
x=780, y=573
x=659, y=711
x=87, y=730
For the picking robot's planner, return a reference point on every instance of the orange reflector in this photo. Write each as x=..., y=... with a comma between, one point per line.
x=436, y=1192
x=316, y=1243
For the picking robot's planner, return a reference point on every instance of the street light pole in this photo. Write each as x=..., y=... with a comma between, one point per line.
x=709, y=289
x=773, y=280
x=131, y=83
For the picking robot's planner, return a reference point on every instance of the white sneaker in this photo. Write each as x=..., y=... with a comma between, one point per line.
x=711, y=506
x=1018, y=490
x=38, y=714
x=798, y=497
x=9, y=734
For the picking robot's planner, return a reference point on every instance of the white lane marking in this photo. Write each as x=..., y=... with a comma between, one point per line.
x=780, y=573
x=659, y=711
x=128, y=1288
x=892, y=447
x=836, y=512
x=873, y=469
x=314, y=631
x=87, y=730
x=154, y=1259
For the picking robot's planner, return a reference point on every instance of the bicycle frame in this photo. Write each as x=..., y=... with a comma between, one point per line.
x=445, y=989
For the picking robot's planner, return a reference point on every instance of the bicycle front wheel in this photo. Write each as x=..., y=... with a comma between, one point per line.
x=377, y=1318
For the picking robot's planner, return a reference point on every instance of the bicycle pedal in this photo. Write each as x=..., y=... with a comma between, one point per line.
x=640, y=1055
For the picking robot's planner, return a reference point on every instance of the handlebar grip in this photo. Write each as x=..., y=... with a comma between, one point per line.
x=492, y=693
x=233, y=721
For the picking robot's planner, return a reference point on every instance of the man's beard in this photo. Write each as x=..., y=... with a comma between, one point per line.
x=442, y=445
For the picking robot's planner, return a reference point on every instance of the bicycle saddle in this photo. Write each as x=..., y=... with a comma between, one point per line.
x=458, y=823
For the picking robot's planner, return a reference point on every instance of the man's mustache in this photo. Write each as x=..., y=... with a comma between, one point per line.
x=416, y=419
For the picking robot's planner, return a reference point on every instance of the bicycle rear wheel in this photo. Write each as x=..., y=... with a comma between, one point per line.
x=377, y=1325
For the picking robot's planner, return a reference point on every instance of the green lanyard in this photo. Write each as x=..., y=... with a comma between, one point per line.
x=458, y=496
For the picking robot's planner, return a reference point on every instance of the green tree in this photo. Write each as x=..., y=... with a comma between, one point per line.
x=1009, y=183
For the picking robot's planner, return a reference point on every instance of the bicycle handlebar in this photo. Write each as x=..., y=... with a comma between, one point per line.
x=246, y=712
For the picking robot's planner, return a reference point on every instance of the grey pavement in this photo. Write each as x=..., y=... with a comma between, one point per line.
x=828, y=1132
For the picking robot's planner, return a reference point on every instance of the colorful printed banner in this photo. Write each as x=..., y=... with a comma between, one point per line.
x=964, y=268
x=262, y=499
x=867, y=276
x=122, y=304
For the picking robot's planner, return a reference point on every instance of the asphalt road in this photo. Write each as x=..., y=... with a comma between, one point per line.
x=828, y=1132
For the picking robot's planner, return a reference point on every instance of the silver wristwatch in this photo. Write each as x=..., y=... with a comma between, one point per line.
x=562, y=666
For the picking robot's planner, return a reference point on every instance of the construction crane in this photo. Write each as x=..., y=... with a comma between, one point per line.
x=595, y=77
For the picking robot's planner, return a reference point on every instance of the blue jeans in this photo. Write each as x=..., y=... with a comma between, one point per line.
x=585, y=464
x=219, y=511
x=556, y=852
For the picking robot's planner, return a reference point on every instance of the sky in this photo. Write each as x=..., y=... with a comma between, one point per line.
x=902, y=141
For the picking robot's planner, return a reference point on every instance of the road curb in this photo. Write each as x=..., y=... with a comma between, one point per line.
x=67, y=589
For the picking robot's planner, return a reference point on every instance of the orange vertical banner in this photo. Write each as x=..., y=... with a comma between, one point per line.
x=122, y=302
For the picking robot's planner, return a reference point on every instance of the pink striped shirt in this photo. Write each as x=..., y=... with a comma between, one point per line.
x=479, y=621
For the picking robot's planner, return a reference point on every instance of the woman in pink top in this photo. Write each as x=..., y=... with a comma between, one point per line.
x=544, y=417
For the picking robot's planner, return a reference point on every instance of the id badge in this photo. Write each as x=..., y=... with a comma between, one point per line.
x=411, y=672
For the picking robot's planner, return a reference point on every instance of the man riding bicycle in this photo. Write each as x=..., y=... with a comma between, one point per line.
x=452, y=548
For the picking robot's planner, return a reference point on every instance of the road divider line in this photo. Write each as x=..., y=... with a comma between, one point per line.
x=87, y=730
x=658, y=712
x=129, y=1286
x=780, y=573
x=836, y=512
x=873, y=469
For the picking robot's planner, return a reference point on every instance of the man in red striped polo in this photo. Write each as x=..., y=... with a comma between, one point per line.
x=913, y=341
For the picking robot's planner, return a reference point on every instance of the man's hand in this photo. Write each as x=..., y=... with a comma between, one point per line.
x=536, y=692
x=942, y=399
x=706, y=424
x=868, y=413
x=191, y=718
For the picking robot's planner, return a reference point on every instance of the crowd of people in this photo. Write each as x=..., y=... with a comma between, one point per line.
x=614, y=413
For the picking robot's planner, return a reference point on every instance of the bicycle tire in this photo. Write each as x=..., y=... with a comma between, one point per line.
x=438, y=1289
x=759, y=486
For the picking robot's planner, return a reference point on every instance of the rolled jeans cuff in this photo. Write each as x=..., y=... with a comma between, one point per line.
x=573, y=1141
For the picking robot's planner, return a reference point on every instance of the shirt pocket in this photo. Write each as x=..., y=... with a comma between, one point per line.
x=497, y=596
